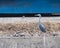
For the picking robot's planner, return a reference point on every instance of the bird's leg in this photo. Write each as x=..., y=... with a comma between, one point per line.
x=44, y=41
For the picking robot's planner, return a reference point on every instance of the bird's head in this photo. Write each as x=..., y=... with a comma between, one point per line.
x=38, y=15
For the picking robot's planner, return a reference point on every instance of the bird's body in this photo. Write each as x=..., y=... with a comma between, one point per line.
x=41, y=26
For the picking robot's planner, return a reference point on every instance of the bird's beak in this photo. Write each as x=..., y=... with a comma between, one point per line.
x=38, y=15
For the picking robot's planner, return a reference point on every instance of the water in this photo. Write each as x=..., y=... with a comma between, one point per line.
x=29, y=6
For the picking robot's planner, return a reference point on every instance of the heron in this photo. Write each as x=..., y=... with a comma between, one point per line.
x=41, y=26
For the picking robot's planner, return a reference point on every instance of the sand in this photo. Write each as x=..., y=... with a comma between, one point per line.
x=30, y=27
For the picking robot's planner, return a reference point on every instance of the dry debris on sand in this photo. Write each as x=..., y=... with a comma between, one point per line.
x=30, y=27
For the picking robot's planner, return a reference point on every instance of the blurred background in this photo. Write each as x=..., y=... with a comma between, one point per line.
x=29, y=6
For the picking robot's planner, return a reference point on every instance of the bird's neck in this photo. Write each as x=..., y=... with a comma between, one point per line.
x=39, y=20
